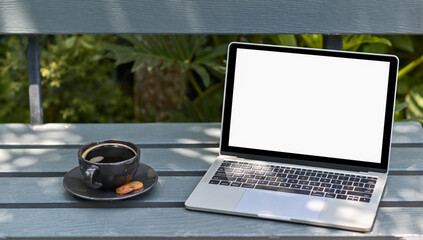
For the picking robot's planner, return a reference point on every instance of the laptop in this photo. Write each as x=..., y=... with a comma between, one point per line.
x=305, y=136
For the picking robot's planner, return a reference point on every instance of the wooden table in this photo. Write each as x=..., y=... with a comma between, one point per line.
x=34, y=204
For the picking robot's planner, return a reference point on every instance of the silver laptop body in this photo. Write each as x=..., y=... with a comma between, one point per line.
x=306, y=136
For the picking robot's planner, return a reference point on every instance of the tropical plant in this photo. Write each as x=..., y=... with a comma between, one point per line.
x=153, y=55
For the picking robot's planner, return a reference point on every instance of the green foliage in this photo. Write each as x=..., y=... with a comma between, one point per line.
x=205, y=108
x=195, y=54
x=190, y=52
x=14, y=100
x=80, y=82
x=76, y=81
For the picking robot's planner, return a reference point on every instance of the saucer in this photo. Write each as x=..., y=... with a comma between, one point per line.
x=74, y=183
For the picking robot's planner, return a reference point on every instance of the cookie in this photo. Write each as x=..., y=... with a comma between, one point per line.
x=129, y=187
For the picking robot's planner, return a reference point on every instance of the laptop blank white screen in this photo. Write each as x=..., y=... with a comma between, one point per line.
x=308, y=104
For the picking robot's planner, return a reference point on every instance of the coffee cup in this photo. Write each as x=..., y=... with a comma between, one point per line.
x=108, y=163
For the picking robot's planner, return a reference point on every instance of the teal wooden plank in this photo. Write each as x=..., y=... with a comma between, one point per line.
x=50, y=190
x=179, y=223
x=38, y=190
x=47, y=160
x=151, y=134
x=406, y=159
x=203, y=16
x=407, y=132
x=39, y=160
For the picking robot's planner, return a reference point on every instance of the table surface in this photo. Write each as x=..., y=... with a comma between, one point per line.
x=34, y=203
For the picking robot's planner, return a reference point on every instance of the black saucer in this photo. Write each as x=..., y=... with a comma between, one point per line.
x=73, y=183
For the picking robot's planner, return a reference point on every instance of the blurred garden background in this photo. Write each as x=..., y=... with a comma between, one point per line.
x=162, y=78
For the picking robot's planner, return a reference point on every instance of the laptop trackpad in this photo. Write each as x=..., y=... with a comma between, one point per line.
x=280, y=205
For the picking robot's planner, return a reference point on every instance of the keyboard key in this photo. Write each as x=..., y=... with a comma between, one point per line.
x=235, y=165
x=353, y=198
x=252, y=181
x=298, y=186
x=314, y=179
x=340, y=196
x=321, y=175
x=364, y=190
x=317, y=194
x=282, y=189
x=220, y=178
x=246, y=185
x=348, y=183
x=237, y=175
x=325, y=180
x=270, y=174
x=368, y=181
x=329, y=190
x=260, y=177
x=320, y=189
x=273, y=184
x=287, y=185
x=330, y=195
x=303, y=182
x=336, y=181
x=271, y=178
x=314, y=184
x=214, y=182
x=348, y=188
x=364, y=199
x=326, y=185
x=357, y=184
x=282, y=179
x=307, y=187
x=292, y=181
x=241, y=180
x=223, y=174
x=360, y=194
x=334, y=186
x=340, y=191
x=292, y=176
x=303, y=177
x=263, y=182
x=224, y=183
x=369, y=186
x=235, y=184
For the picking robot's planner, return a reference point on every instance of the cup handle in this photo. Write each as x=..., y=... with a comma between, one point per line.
x=89, y=177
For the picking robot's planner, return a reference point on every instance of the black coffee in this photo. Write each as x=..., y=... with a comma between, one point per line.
x=109, y=153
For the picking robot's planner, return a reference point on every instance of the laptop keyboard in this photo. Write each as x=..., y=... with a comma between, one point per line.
x=295, y=180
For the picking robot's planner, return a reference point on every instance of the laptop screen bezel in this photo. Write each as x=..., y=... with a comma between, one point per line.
x=294, y=158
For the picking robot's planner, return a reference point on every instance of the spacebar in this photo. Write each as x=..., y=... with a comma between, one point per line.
x=282, y=189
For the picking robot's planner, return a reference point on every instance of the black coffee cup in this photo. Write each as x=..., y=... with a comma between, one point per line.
x=108, y=163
